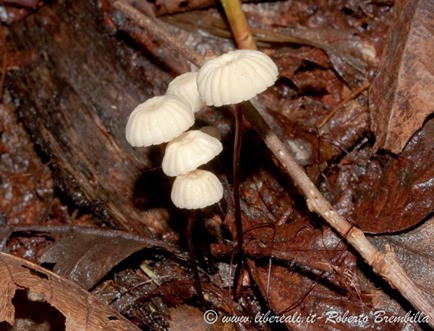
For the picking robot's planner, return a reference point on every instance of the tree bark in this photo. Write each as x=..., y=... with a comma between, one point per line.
x=74, y=100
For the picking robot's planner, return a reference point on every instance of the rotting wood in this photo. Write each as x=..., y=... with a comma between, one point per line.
x=74, y=99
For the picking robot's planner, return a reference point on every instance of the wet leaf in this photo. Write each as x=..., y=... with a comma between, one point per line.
x=144, y=299
x=85, y=255
x=414, y=250
x=295, y=298
x=77, y=309
x=312, y=273
x=401, y=95
x=384, y=194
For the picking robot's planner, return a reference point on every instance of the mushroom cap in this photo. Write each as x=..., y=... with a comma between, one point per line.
x=197, y=189
x=235, y=77
x=158, y=120
x=185, y=86
x=189, y=151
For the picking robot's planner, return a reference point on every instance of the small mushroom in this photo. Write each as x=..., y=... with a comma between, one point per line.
x=184, y=86
x=189, y=151
x=235, y=77
x=232, y=78
x=196, y=190
x=158, y=120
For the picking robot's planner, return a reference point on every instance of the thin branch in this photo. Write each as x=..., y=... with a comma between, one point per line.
x=384, y=264
x=158, y=33
x=353, y=95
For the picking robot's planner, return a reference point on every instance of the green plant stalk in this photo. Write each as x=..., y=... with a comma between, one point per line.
x=238, y=22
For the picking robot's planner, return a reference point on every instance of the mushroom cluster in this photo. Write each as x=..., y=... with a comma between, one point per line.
x=228, y=79
x=167, y=118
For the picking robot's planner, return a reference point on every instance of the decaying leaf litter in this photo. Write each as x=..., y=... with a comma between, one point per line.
x=337, y=154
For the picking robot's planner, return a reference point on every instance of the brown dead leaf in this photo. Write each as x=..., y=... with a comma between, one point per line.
x=401, y=95
x=312, y=274
x=80, y=309
x=382, y=194
x=301, y=270
x=85, y=255
x=294, y=298
x=415, y=251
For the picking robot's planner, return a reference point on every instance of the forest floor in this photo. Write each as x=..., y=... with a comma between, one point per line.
x=89, y=237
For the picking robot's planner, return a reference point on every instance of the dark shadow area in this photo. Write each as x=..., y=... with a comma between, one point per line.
x=32, y=315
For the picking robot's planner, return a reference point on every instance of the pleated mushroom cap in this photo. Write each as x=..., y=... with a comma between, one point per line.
x=184, y=86
x=189, y=151
x=158, y=120
x=235, y=77
x=197, y=189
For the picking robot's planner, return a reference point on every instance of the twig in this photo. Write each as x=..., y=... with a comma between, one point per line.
x=157, y=32
x=342, y=103
x=240, y=27
x=385, y=264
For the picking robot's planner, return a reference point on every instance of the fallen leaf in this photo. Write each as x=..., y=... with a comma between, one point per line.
x=414, y=250
x=304, y=271
x=382, y=194
x=401, y=95
x=85, y=255
x=312, y=274
x=80, y=309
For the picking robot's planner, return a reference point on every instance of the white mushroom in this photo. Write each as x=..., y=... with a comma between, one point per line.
x=158, y=120
x=235, y=77
x=184, y=86
x=189, y=151
x=197, y=189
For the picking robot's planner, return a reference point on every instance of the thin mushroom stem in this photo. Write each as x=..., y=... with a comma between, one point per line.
x=192, y=253
x=384, y=264
x=236, y=190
